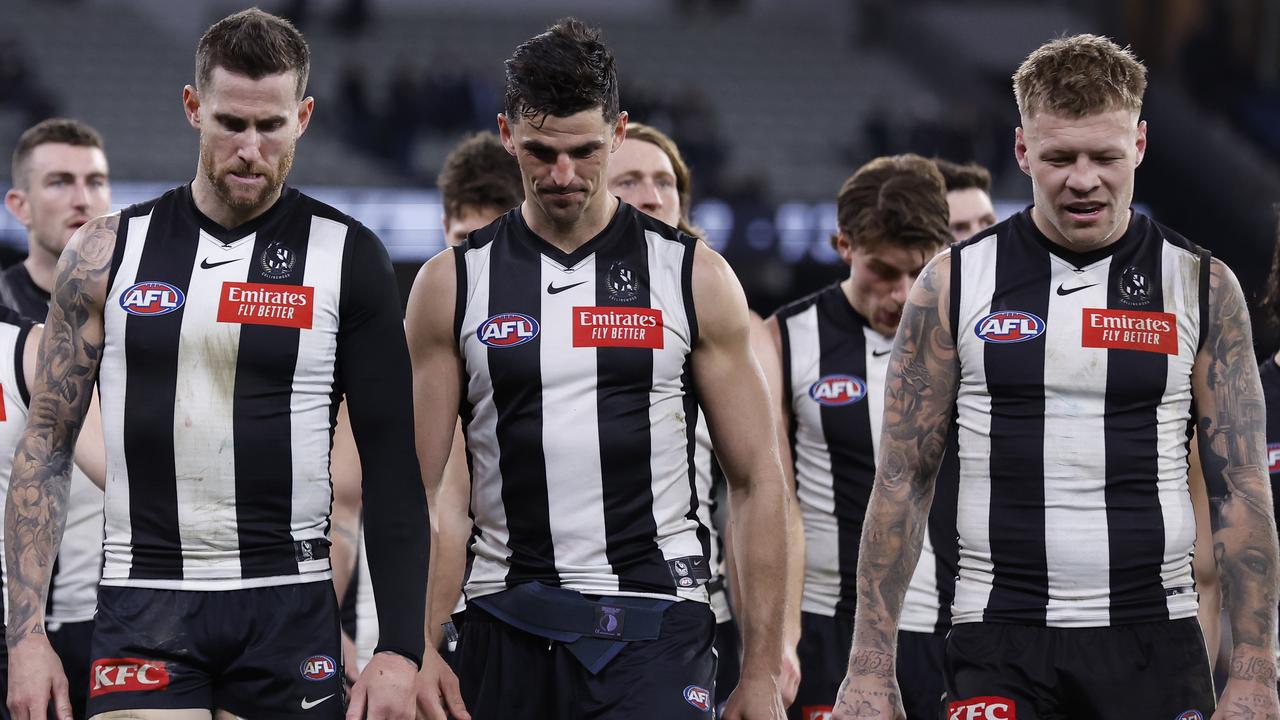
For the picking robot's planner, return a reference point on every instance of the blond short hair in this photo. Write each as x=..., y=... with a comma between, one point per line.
x=1079, y=75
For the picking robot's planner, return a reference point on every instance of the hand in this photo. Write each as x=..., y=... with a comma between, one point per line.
x=350, y=661
x=1244, y=700
x=755, y=698
x=35, y=677
x=789, y=678
x=869, y=696
x=384, y=690
x=437, y=690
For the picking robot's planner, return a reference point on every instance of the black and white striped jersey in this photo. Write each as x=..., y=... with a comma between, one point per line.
x=14, y=399
x=710, y=478
x=579, y=410
x=1074, y=419
x=224, y=357
x=834, y=367
x=1270, y=374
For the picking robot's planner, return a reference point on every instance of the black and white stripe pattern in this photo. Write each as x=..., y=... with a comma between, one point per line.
x=1073, y=506
x=13, y=417
x=217, y=428
x=580, y=455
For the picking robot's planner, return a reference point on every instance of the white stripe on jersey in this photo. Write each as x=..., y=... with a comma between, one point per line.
x=117, y=543
x=976, y=571
x=366, y=638
x=1075, y=469
x=203, y=443
x=312, y=382
x=15, y=420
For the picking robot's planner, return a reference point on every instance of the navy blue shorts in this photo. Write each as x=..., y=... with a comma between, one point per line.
x=261, y=652
x=1147, y=670
x=509, y=674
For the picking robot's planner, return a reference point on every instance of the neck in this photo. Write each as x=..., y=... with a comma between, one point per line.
x=208, y=202
x=1047, y=229
x=41, y=267
x=571, y=237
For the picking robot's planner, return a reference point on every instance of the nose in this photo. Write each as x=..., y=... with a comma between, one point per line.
x=249, y=148
x=562, y=171
x=902, y=288
x=650, y=198
x=80, y=195
x=1083, y=177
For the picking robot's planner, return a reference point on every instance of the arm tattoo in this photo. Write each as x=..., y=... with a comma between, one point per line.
x=920, y=395
x=36, y=512
x=1232, y=430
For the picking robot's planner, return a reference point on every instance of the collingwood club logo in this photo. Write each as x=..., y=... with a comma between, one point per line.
x=622, y=284
x=1134, y=288
x=277, y=261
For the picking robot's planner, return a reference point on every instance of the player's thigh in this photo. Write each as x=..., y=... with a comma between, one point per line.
x=506, y=673
x=994, y=670
x=188, y=714
x=920, y=660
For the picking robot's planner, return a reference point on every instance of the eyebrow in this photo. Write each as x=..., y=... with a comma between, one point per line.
x=229, y=118
x=539, y=146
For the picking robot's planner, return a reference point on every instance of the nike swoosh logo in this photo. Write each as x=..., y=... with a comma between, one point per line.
x=878, y=353
x=209, y=266
x=308, y=704
x=552, y=289
x=1064, y=291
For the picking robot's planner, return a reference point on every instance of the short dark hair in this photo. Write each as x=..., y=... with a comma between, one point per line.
x=52, y=130
x=479, y=173
x=963, y=177
x=563, y=71
x=895, y=200
x=254, y=43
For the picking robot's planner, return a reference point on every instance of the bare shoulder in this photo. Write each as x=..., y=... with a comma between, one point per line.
x=431, y=303
x=718, y=298
x=92, y=246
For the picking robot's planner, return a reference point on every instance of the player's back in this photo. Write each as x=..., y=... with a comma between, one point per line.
x=218, y=392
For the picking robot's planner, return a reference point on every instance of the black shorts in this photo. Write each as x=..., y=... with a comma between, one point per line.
x=728, y=661
x=1147, y=670
x=509, y=674
x=920, y=673
x=261, y=652
x=72, y=642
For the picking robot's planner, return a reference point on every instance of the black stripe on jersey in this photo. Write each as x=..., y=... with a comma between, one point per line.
x=691, y=414
x=117, y=252
x=787, y=388
x=515, y=274
x=1015, y=380
x=151, y=379
x=624, y=382
x=953, y=311
x=1135, y=387
x=19, y=371
x=846, y=429
x=262, y=415
x=460, y=293
x=942, y=526
x=1206, y=263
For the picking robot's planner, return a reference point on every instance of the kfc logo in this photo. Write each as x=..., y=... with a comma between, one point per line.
x=816, y=712
x=988, y=707
x=127, y=674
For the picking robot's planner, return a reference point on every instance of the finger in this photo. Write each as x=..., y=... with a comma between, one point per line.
x=356, y=706
x=62, y=699
x=453, y=697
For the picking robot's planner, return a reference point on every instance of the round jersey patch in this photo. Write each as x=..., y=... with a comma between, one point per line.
x=698, y=697
x=1009, y=326
x=318, y=667
x=1190, y=715
x=507, y=330
x=836, y=390
x=151, y=298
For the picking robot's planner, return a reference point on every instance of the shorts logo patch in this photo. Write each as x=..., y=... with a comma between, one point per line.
x=151, y=298
x=1155, y=332
x=1009, y=326
x=507, y=330
x=1190, y=715
x=610, y=620
x=127, y=675
x=987, y=707
x=318, y=667
x=1273, y=457
x=698, y=697
x=288, y=306
x=816, y=712
x=617, y=327
x=837, y=390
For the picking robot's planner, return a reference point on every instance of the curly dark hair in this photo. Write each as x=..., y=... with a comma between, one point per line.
x=479, y=173
x=563, y=71
x=899, y=200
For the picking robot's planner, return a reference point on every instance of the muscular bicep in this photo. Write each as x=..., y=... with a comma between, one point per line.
x=921, y=382
x=437, y=369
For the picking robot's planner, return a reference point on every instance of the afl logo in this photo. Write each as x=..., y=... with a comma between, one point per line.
x=1273, y=457
x=838, y=390
x=1009, y=326
x=1191, y=715
x=318, y=667
x=151, y=298
x=698, y=697
x=507, y=330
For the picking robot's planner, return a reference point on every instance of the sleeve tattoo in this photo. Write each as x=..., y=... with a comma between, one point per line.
x=36, y=511
x=1232, y=431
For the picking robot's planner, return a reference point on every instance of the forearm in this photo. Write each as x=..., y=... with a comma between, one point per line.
x=444, y=583
x=1245, y=548
x=795, y=574
x=35, y=517
x=760, y=559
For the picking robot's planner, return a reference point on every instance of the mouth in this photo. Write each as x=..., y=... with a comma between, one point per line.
x=246, y=178
x=77, y=224
x=1084, y=212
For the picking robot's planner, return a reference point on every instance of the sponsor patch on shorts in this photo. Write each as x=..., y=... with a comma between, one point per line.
x=109, y=675
x=698, y=697
x=987, y=707
x=266, y=304
x=1155, y=332
x=617, y=327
